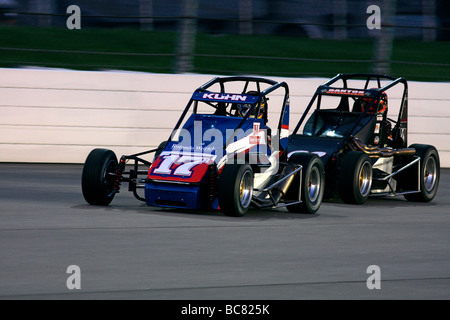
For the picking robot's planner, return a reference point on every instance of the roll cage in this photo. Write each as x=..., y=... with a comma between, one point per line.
x=223, y=99
x=374, y=93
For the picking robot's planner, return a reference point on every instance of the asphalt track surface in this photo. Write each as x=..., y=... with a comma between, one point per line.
x=130, y=251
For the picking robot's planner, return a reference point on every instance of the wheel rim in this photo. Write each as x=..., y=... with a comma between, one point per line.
x=429, y=174
x=365, y=179
x=314, y=184
x=246, y=189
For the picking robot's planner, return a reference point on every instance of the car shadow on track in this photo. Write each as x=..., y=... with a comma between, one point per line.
x=384, y=202
x=331, y=208
x=252, y=214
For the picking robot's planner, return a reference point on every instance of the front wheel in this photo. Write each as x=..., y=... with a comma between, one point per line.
x=98, y=177
x=429, y=173
x=235, y=189
x=312, y=184
x=355, y=178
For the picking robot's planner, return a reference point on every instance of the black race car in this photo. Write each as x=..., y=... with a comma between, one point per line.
x=364, y=150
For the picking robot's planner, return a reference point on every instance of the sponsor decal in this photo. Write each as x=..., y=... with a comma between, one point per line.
x=351, y=92
x=227, y=97
x=254, y=137
x=377, y=128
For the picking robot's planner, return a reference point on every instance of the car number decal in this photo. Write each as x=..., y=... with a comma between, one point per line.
x=176, y=167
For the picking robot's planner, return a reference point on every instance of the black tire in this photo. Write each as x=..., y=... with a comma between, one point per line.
x=96, y=183
x=355, y=177
x=429, y=173
x=235, y=189
x=313, y=184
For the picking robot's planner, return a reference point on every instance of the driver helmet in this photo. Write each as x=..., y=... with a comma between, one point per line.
x=244, y=108
x=383, y=104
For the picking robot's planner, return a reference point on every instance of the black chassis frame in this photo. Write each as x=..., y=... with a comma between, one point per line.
x=400, y=131
x=134, y=175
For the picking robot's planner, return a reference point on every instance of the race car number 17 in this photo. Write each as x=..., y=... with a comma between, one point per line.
x=179, y=165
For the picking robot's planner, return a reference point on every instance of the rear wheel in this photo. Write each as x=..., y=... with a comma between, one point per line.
x=98, y=177
x=429, y=173
x=312, y=184
x=355, y=177
x=235, y=189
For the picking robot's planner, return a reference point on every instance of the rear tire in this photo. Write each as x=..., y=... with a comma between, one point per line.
x=429, y=173
x=313, y=184
x=235, y=189
x=96, y=182
x=355, y=177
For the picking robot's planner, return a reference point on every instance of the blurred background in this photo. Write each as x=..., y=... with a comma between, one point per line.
x=160, y=51
x=290, y=38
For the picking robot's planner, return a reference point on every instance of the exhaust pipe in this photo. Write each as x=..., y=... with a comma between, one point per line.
x=381, y=152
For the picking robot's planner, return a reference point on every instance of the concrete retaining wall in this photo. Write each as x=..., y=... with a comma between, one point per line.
x=59, y=116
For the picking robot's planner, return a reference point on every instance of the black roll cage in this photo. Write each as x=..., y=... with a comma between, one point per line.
x=374, y=93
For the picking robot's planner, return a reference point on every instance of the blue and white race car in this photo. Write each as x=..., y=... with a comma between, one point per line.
x=221, y=155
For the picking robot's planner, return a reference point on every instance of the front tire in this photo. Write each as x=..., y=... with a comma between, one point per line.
x=235, y=189
x=429, y=173
x=97, y=179
x=355, y=178
x=313, y=184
